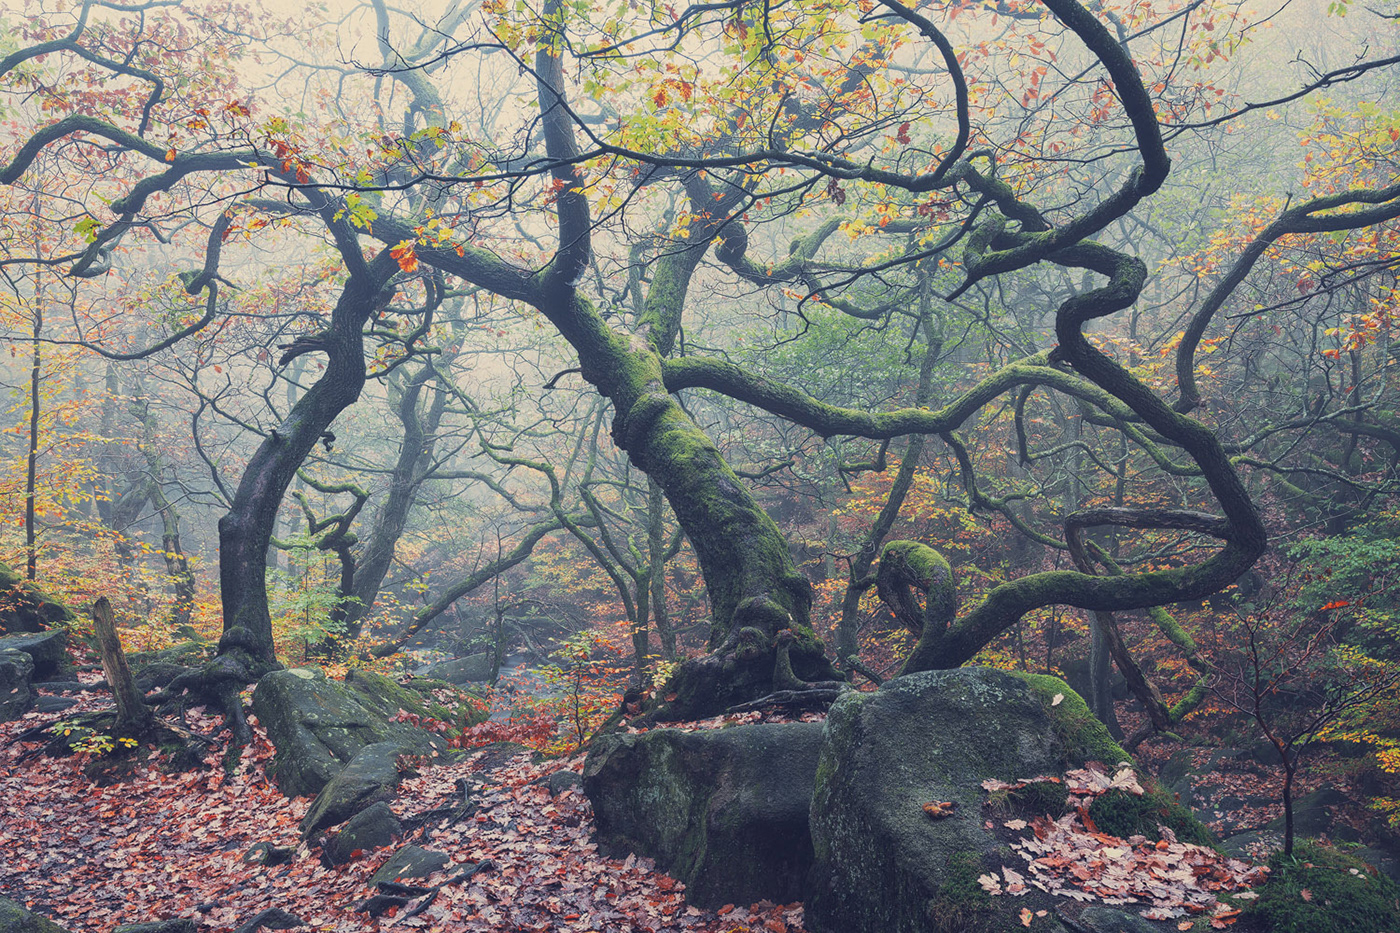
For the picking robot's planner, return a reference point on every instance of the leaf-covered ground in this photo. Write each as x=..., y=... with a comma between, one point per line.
x=172, y=845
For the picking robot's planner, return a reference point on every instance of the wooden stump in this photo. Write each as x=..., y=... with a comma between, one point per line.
x=133, y=715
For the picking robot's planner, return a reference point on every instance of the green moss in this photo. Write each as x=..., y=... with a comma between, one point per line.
x=1081, y=733
x=961, y=904
x=924, y=564
x=1086, y=739
x=1122, y=814
x=1343, y=895
x=1039, y=798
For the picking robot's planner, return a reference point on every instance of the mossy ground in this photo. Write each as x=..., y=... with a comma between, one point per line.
x=1321, y=890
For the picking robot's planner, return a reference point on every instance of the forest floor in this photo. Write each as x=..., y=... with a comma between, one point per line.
x=161, y=846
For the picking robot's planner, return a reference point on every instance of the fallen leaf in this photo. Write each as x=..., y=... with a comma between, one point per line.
x=1026, y=916
x=1057, y=699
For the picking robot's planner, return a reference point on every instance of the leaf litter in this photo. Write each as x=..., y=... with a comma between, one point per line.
x=1068, y=857
x=165, y=846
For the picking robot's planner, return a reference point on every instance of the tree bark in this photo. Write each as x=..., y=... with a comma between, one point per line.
x=133, y=715
x=245, y=532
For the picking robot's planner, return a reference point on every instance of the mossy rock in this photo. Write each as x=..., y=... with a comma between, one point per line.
x=25, y=607
x=185, y=654
x=1085, y=738
x=15, y=918
x=882, y=864
x=1082, y=736
x=723, y=810
x=319, y=725
x=16, y=678
x=1344, y=895
x=48, y=650
x=388, y=697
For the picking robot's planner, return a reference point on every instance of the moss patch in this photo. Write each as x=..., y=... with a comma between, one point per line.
x=1343, y=895
x=961, y=904
x=1122, y=814
x=1039, y=798
x=1081, y=733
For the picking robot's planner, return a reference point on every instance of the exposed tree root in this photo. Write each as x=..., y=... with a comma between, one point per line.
x=218, y=683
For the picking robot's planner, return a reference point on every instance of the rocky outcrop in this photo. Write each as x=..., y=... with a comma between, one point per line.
x=16, y=676
x=882, y=863
x=49, y=650
x=24, y=607
x=371, y=776
x=723, y=810
x=318, y=726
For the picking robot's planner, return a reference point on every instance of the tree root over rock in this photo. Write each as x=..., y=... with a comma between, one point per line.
x=218, y=683
x=748, y=671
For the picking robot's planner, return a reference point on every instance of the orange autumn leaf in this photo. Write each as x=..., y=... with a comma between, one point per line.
x=405, y=256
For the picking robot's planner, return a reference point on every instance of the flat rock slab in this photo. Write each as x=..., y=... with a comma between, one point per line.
x=160, y=926
x=723, y=810
x=49, y=650
x=319, y=725
x=410, y=862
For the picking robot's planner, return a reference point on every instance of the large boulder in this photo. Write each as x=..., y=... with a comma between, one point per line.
x=371, y=776
x=882, y=864
x=26, y=608
x=14, y=918
x=16, y=675
x=319, y=725
x=723, y=810
x=49, y=650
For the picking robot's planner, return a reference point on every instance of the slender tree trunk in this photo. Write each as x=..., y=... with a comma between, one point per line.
x=31, y=537
x=245, y=533
x=657, y=556
x=415, y=456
